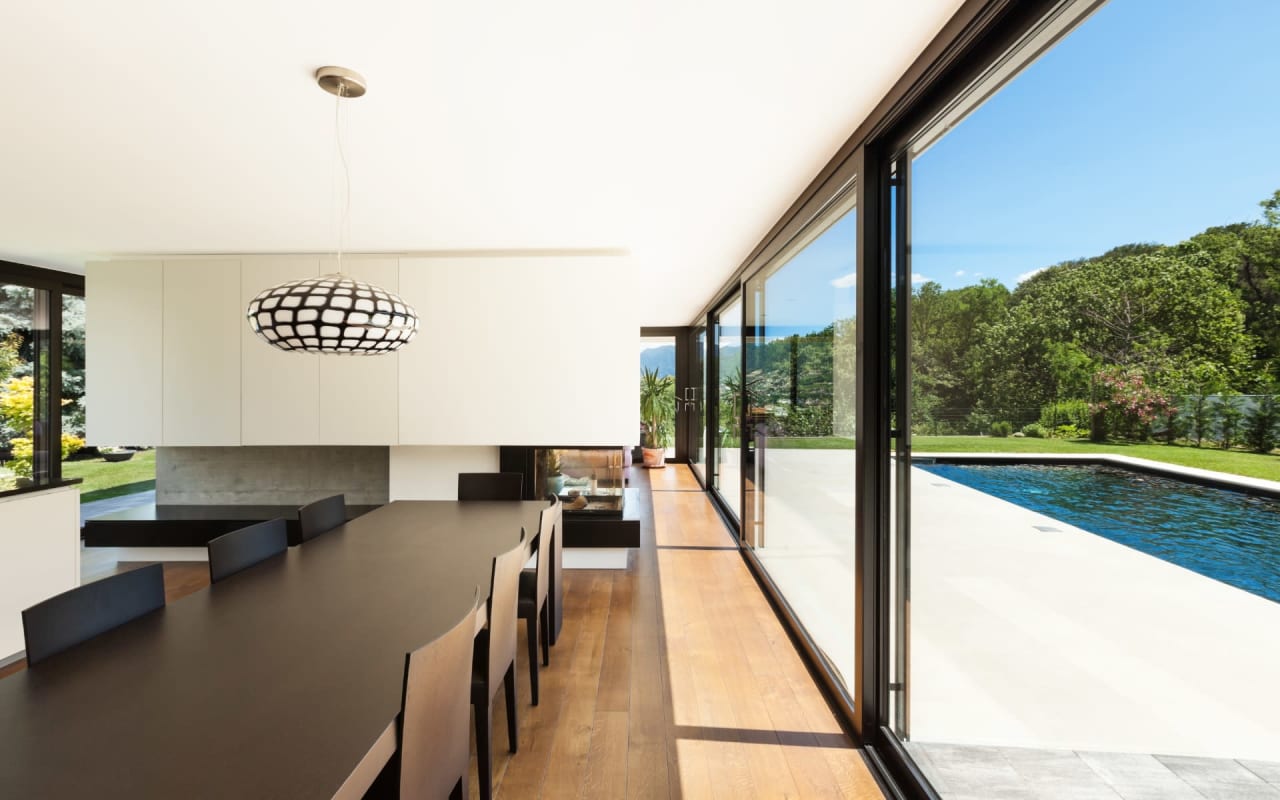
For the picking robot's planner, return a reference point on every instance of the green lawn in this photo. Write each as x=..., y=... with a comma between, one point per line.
x=1235, y=462
x=102, y=480
x=811, y=442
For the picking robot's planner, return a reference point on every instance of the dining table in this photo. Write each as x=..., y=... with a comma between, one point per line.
x=282, y=681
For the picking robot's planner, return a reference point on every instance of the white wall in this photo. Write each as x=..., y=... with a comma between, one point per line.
x=518, y=350
x=521, y=351
x=39, y=555
x=431, y=473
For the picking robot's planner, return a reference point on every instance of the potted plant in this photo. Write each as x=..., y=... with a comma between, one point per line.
x=657, y=412
x=555, y=478
x=115, y=454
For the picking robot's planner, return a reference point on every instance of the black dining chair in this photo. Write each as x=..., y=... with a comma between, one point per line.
x=494, y=661
x=232, y=552
x=435, y=717
x=490, y=485
x=322, y=516
x=533, y=607
x=80, y=614
x=555, y=599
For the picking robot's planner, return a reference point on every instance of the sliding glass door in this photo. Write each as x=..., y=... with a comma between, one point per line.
x=698, y=410
x=1074, y=328
x=733, y=392
x=800, y=363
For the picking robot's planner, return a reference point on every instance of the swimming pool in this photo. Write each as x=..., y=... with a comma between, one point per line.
x=1227, y=535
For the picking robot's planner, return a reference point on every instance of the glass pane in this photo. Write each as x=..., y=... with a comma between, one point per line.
x=728, y=456
x=73, y=399
x=698, y=446
x=800, y=387
x=24, y=378
x=658, y=393
x=1094, y=558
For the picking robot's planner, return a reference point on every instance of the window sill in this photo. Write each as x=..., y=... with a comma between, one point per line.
x=44, y=487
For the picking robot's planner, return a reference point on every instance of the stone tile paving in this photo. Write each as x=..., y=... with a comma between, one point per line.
x=969, y=772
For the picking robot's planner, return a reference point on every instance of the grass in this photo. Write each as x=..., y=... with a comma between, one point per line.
x=811, y=442
x=1234, y=462
x=102, y=479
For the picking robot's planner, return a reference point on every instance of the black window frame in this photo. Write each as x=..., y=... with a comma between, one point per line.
x=57, y=284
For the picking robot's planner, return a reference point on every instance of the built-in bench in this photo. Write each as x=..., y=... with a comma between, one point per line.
x=186, y=525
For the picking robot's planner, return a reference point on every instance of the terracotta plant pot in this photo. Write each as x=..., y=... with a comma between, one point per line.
x=655, y=457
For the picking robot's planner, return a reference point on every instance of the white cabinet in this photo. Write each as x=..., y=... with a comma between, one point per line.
x=202, y=334
x=280, y=392
x=520, y=351
x=359, y=395
x=39, y=555
x=124, y=320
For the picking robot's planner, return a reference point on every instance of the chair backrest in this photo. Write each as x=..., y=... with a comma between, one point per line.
x=82, y=613
x=490, y=485
x=547, y=531
x=557, y=552
x=503, y=609
x=239, y=550
x=322, y=516
x=435, y=714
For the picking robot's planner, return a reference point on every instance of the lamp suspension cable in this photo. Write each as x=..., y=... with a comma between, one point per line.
x=343, y=219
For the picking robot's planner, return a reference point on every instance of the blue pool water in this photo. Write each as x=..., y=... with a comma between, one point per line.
x=1231, y=536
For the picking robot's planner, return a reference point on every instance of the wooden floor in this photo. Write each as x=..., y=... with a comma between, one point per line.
x=672, y=678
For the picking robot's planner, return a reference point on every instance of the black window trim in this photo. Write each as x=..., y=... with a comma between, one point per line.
x=57, y=283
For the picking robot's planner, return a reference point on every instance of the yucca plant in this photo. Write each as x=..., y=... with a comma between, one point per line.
x=657, y=407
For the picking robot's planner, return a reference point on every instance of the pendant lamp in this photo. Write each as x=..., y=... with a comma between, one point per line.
x=334, y=313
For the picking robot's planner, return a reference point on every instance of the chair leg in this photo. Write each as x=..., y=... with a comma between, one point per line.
x=533, y=656
x=510, y=682
x=546, y=633
x=484, y=748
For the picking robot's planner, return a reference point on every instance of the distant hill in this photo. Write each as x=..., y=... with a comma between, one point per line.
x=663, y=359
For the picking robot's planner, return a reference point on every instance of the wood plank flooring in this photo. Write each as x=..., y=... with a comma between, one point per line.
x=672, y=678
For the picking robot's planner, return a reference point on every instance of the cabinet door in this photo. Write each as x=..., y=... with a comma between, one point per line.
x=359, y=395
x=124, y=320
x=280, y=400
x=203, y=318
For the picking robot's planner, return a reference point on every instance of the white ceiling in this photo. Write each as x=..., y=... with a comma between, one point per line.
x=677, y=131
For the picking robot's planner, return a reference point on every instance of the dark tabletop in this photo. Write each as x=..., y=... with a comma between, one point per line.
x=274, y=683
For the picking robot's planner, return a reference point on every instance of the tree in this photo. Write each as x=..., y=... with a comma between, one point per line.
x=1229, y=414
x=1262, y=426
x=1160, y=314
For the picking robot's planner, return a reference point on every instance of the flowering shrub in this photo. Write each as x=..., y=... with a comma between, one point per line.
x=24, y=453
x=1125, y=405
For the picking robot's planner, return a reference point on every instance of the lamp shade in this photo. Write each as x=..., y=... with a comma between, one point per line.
x=332, y=314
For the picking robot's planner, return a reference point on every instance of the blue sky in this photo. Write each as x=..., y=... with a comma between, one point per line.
x=1151, y=121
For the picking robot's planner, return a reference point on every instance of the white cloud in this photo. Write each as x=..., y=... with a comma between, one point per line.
x=845, y=281
x=959, y=273
x=920, y=279
x=979, y=274
x=1028, y=275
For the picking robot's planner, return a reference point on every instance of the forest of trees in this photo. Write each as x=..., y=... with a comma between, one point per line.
x=1176, y=342
x=1143, y=338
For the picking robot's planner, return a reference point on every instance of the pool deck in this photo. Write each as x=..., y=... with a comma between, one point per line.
x=1029, y=632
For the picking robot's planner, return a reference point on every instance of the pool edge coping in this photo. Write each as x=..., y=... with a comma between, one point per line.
x=1204, y=477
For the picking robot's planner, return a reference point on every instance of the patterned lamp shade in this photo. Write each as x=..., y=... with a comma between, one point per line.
x=332, y=314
